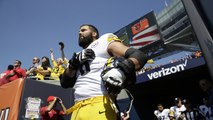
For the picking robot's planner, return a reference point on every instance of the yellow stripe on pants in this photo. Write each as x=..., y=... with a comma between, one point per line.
x=93, y=109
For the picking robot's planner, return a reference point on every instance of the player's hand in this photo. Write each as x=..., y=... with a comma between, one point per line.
x=80, y=58
x=86, y=55
x=113, y=80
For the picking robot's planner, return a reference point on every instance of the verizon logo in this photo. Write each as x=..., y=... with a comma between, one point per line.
x=167, y=71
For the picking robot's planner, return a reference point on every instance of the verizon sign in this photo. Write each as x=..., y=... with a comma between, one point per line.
x=169, y=69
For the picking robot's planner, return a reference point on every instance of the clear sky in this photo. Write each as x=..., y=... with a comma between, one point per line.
x=30, y=28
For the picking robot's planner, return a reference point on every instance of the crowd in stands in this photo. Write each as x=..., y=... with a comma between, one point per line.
x=42, y=69
x=51, y=69
x=12, y=73
x=148, y=67
x=185, y=109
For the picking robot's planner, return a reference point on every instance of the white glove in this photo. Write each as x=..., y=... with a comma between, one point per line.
x=114, y=77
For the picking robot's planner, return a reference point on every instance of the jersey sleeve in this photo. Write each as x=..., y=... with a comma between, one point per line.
x=20, y=72
x=156, y=113
x=23, y=73
x=112, y=37
x=54, y=63
x=107, y=39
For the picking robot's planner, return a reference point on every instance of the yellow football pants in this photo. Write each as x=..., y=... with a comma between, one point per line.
x=96, y=108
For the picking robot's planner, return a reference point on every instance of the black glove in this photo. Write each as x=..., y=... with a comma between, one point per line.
x=61, y=45
x=112, y=90
x=80, y=58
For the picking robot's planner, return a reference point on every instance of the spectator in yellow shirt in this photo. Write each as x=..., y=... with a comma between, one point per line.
x=58, y=68
x=44, y=70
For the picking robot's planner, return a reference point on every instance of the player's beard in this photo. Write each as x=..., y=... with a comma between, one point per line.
x=85, y=41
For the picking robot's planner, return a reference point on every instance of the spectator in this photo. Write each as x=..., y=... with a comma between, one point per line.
x=171, y=115
x=206, y=86
x=206, y=109
x=190, y=113
x=177, y=108
x=50, y=112
x=58, y=68
x=44, y=71
x=3, y=79
x=198, y=54
x=162, y=113
x=17, y=72
x=31, y=71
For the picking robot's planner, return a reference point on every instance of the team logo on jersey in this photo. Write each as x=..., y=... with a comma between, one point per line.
x=112, y=37
x=94, y=44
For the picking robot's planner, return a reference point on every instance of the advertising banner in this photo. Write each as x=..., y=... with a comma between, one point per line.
x=10, y=95
x=169, y=69
x=32, y=107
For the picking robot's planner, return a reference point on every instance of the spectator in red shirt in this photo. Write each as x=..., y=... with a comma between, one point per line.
x=3, y=75
x=50, y=112
x=17, y=72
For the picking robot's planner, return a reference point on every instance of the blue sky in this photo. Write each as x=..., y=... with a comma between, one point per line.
x=30, y=28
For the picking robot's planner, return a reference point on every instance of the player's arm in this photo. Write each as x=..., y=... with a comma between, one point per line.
x=123, y=74
x=138, y=58
x=68, y=78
